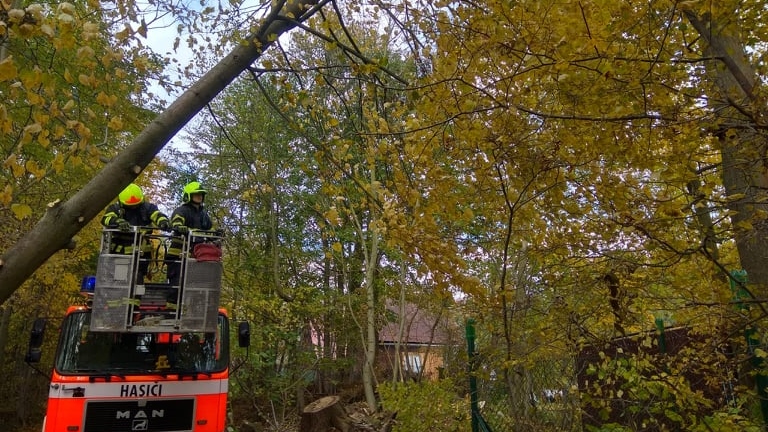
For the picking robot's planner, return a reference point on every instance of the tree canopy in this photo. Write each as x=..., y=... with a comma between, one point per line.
x=567, y=172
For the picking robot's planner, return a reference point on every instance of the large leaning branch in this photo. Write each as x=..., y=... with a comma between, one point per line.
x=64, y=220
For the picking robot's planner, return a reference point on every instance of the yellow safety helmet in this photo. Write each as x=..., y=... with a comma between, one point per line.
x=131, y=195
x=192, y=188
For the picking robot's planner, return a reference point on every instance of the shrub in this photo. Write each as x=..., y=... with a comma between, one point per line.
x=426, y=406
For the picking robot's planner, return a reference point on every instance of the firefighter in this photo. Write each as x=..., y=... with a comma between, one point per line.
x=190, y=215
x=133, y=210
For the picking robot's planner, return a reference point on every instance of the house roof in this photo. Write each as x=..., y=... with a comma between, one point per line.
x=420, y=327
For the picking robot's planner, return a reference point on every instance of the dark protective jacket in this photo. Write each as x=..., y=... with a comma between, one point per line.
x=144, y=214
x=191, y=216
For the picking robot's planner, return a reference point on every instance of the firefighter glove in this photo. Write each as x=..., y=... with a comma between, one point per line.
x=181, y=229
x=123, y=225
x=164, y=225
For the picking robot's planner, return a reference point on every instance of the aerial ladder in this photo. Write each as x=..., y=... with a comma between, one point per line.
x=122, y=302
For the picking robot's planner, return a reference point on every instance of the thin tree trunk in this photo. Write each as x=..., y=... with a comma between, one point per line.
x=370, y=295
x=397, y=367
x=745, y=173
x=744, y=170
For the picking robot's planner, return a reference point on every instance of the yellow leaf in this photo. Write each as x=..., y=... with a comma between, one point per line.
x=332, y=215
x=123, y=34
x=58, y=163
x=686, y=5
x=141, y=63
x=34, y=169
x=34, y=98
x=336, y=247
x=6, y=195
x=43, y=139
x=90, y=31
x=67, y=8
x=59, y=132
x=143, y=29
x=33, y=128
x=66, y=21
x=47, y=30
x=106, y=60
x=13, y=163
x=7, y=69
x=21, y=211
x=16, y=15
x=26, y=30
x=103, y=99
x=115, y=123
x=84, y=79
x=85, y=53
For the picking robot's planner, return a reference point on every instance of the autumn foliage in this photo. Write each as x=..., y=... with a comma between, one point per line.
x=566, y=173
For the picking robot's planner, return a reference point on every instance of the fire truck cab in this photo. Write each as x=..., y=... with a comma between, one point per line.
x=143, y=356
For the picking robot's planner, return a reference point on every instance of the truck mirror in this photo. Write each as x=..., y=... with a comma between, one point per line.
x=34, y=352
x=244, y=334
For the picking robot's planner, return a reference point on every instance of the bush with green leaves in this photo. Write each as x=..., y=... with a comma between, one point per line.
x=426, y=406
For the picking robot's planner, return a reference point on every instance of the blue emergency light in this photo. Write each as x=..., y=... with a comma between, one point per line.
x=88, y=285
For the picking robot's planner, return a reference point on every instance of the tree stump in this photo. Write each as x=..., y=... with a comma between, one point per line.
x=324, y=414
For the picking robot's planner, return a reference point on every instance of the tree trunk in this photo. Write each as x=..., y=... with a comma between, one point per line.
x=323, y=414
x=397, y=363
x=65, y=219
x=744, y=170
x=369, y=377
x=745, y=174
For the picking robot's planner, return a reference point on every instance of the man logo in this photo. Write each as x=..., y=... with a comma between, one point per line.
x=140, y=425
x=155, y=413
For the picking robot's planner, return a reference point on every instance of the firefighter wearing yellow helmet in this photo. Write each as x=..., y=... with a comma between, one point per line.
x=131, y=209
x=190, y=215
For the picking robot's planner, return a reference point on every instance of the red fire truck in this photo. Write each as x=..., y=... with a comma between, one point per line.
x=143, y=356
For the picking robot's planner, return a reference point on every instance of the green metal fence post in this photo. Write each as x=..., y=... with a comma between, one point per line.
x=470, y=331
x=738, y=280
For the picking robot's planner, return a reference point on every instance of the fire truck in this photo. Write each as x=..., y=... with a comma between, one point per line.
x=141, y=355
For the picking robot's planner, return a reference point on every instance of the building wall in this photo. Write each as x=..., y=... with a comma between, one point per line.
x=430, y=359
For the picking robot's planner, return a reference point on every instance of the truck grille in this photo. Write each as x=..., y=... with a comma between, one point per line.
x=159, y=415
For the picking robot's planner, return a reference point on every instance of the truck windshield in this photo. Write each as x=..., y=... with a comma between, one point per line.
x=82, y=351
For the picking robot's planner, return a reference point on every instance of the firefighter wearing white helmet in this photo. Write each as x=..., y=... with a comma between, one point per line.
x=190, y=215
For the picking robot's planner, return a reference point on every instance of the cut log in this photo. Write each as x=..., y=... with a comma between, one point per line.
x=325, y=415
